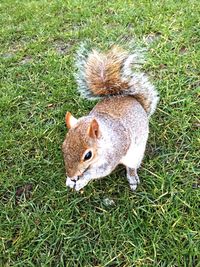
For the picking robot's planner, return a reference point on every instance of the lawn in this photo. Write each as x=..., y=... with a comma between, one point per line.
x=42, y=223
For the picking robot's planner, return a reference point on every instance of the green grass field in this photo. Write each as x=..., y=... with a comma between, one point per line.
x=42, y=223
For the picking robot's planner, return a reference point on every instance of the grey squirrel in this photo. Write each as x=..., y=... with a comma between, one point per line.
x=116, y=130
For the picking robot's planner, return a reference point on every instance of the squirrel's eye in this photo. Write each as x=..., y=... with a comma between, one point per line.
x=88, y=156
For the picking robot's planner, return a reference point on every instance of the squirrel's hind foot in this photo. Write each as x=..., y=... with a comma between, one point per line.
x=133, y=178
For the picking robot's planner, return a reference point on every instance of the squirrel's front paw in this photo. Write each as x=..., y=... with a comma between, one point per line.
x=77, y=184
x=70, y=183
x=80, y=184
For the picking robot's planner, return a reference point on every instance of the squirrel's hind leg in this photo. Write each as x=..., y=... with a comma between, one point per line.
x=133, y=178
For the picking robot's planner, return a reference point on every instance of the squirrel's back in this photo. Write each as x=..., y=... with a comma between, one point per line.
x=125, y=110
x=116, y=107
x=110, y=74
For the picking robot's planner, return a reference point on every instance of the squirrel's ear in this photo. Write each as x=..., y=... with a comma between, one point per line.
x=93, y=130
x=70, y=120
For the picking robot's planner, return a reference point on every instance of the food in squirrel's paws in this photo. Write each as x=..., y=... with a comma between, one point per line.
x=116, y=130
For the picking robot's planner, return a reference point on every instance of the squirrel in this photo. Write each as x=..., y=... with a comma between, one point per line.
x=116, y=130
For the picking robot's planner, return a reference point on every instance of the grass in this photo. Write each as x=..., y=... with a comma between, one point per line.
x=43, y=223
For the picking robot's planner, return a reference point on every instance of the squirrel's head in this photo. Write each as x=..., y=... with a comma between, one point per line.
x=80, y=145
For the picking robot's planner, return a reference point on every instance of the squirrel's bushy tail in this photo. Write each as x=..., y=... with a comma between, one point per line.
x=112, y=73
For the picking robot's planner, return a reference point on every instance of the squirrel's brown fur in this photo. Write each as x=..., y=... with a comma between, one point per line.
x=103, y=72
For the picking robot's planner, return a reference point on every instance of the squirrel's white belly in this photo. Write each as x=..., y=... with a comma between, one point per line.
x=134, y=155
